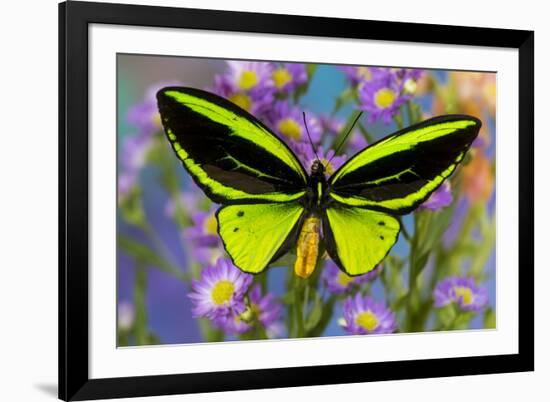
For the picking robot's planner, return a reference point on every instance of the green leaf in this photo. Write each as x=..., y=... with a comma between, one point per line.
x=310, y=69
x=327, y=310
x=302, y=89
x=315, y=314
x=447, y=315
x=349, y=95
x=131, y=208
x=140, y=321
x=146, y=256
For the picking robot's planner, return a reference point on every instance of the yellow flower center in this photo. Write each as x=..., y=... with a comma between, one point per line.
x=344, y=280
x=242, y=101
x=211, y=225
x=465, y=293
x=222, y=292
x=366, y=320
x=281, y=77
x=248, y=80
x=290, y=128
x=384, y=98
x=364, y=73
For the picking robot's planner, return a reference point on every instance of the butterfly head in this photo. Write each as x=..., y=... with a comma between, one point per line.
x=317, y=168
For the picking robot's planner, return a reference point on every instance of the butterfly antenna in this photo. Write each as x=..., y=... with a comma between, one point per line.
x=346, y=136
x=309, y=136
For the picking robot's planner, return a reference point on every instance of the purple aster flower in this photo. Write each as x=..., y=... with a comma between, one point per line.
x=410, y=77
x=232, y=324
x=206, y=245
x=331, y=125
x=204, y=231
x=440, y=198
x=287, y=121
x=364, y=315
x=288, y=76
x=145, y=115
x=265, y=310
x=358, y=75
x=339, y=282
x=250, y=75
x=247, y=84
x=307, y=156
x=462, y=291
x=257, y=101
x=220, y=290
x=382, y=97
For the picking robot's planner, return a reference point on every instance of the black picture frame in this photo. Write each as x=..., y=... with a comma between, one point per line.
x=74, y=19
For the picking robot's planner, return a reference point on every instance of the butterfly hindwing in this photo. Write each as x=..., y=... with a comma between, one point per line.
x=254, y=234
x=400, y=172
x=230, y=154
x=358, y=239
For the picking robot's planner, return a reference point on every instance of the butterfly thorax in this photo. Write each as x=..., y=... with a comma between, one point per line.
x=316, y=197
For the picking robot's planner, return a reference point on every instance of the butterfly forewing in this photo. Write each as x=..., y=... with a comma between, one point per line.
x=231, y=155
x=400, y=172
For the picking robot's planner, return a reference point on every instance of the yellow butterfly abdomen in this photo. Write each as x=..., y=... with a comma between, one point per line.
x=307, y=247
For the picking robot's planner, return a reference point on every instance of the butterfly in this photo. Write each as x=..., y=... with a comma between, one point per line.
x=270, y=203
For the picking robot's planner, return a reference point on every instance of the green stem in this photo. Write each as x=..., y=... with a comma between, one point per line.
x=405, y=232
x=412, y=277
x=398, y=120
x=299, y=314
x=160, y=246
x=140, y=289
x=410, y=114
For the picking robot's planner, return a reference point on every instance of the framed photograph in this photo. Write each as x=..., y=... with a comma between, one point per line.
x=321, y=201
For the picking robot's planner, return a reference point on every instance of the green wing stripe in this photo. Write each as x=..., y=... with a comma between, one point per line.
x=246, y=128
x=227, y=192
x=398, y=204
x=402, y=142
x=232, y=156
x=399, y=172
x=358, y=239
x=254, y=234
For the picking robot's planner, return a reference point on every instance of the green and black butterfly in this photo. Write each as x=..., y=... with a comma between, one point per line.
x=271, y=204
